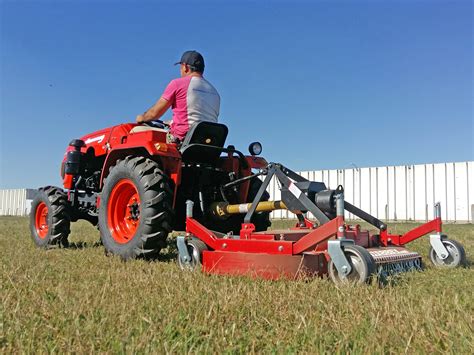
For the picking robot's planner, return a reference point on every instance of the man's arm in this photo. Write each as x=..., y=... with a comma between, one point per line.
x=155, y=112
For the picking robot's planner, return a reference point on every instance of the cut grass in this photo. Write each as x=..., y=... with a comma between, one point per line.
x=79, y=300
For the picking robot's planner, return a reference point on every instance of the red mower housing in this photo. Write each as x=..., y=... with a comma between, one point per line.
x=343, y=252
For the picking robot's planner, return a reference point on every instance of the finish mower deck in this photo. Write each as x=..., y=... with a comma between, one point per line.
x=345, y=253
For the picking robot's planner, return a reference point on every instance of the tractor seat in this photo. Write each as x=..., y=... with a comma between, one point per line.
x=202, y=142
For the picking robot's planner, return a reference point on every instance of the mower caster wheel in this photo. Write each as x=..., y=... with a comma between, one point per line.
x=362, y=265
x=195, y=249
x=456, y=258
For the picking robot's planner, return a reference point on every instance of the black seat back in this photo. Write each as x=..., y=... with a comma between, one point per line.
x=202, y=142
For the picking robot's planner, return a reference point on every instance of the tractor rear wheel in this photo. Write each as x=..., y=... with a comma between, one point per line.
x=456, y=257
x=50, y=217
x=135, y=213
x=361, y=262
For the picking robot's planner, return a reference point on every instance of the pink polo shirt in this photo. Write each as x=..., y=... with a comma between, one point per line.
x=193, y=99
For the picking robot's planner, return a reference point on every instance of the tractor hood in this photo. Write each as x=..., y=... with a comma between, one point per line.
x=107, y=137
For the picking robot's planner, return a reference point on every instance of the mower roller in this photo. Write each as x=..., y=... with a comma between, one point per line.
x=136, y=188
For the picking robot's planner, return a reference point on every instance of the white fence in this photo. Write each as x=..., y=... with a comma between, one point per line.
x=16, y=202
x=403, y=193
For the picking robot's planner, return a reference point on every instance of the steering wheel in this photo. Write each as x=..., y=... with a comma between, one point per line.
x=157, y=124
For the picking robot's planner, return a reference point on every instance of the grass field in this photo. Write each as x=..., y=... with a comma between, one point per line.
x=79, y=300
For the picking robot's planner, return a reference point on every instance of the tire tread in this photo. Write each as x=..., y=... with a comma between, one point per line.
x=155, y=227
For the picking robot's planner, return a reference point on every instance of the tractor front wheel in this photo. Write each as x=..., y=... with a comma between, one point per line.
x=135, y=213
x=50, y=218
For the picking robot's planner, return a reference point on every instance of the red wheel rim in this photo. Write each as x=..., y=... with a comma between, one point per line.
x=123, y=211
x=41, y=220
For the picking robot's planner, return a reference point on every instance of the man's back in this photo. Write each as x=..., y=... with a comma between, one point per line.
x=192, y=99
x=203, y=101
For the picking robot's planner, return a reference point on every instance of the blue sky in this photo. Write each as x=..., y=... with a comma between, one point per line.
x=322, y=84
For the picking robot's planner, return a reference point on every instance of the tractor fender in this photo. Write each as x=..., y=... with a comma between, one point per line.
x=256, y=162
x=166, y=155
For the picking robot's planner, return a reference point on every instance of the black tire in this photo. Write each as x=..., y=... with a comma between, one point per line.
x=233, y=223
x=195, y=249
x=54, y=227
x=152, y=215
x=362, y=264
x=456, y=258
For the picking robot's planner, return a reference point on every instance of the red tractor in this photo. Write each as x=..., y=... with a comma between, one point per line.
x=137, y=188
x=132, y=184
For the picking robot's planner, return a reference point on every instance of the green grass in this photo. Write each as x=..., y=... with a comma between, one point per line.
x=79, y=300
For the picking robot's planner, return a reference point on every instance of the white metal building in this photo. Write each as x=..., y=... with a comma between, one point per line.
x=403, y=193
x=16, y=202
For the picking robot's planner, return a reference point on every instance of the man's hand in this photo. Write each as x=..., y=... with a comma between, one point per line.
x=140, y=119
x=155, y=112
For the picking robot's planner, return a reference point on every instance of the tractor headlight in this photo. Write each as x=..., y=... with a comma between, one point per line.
x=255, y=148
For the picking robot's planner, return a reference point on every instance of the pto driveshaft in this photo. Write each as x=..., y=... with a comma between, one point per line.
x=224, y=209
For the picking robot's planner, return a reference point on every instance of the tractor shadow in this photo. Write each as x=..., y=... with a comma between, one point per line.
x=83, y=245
x=168, y=254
